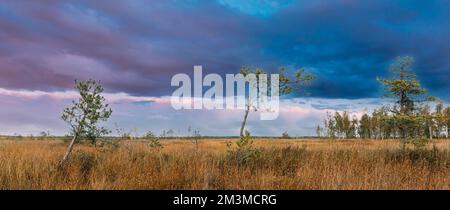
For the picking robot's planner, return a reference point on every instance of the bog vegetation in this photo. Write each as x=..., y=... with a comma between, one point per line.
x=254, y=164
x=414, y=152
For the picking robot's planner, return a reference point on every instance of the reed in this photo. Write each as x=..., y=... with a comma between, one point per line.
x=180, y=164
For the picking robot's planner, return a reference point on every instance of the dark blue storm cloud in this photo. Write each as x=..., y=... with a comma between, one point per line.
x=136, y=46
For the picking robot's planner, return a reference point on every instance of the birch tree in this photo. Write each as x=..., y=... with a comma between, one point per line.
x=288, y=83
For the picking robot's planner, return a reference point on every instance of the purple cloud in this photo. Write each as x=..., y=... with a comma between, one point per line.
x=135, y=47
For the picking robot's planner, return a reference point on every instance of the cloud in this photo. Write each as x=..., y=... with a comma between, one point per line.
x=136, y=46
x=36, y=111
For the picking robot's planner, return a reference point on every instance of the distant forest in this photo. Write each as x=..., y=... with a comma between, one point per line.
x=410, y=116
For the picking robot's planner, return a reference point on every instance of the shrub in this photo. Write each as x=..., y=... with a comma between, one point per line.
x=285, y=135
x=194, y=134
x=154, y=141
x=242, y=151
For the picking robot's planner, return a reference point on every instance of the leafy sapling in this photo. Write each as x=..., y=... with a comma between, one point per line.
x=154, y=141
x=84, y=115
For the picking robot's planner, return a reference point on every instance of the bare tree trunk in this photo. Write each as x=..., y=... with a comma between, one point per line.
x=431, y=132
x=446, y=133
x=69, y=150
x=244, y=121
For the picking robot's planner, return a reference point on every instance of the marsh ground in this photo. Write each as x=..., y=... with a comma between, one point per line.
x=280, y=164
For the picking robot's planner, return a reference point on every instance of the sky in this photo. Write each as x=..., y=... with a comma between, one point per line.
x=135, y=47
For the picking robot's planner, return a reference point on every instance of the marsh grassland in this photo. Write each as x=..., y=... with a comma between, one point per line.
x=181, y=164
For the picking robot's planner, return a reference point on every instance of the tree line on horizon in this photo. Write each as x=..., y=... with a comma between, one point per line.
x=410, y=116
x=380, y=124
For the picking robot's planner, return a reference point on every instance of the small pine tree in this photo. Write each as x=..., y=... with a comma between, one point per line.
x=285, y=135
x=242, y=150
x=408, y=93
x=319, y=131
x=154, y=141
x=85, y=114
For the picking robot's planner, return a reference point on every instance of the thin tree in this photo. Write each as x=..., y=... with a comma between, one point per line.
x=446, y=120
x=439, y=118
x=346, y=125
x=330, y=125
x=319, y=131
x=339, y=124
x=287, y=84
x=84, y=115
x=354, y=127
x=364, y=126
x=428, y=121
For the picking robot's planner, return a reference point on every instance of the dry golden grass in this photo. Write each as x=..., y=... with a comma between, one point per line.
x=282, y=164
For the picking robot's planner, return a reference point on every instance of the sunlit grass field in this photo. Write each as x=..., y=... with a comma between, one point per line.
x=281, y=164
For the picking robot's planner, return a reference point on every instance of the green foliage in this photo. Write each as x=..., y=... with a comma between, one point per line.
x=319, y=131
x=289, y=82
x=408, y=94
x=418, y=143
x=330, y=125
x=446, y=119
x=154, y=141
x=155, y=144
x=85, y=114
x=383, y=125
x=295, y=81
x=404, y=87
x=149, y=135
x=44, y=134
x=408, y=118
x=242, y=150
x=285, y=135
x=340, y=125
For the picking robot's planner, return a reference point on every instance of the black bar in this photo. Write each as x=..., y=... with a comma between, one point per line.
x=229, y=199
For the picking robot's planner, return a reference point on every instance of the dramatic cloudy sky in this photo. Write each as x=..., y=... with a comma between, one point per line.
x=134, y=47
